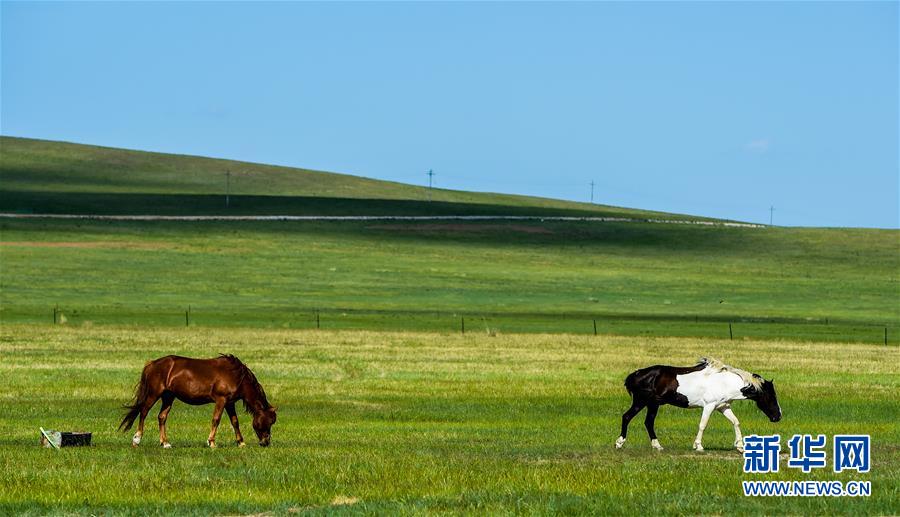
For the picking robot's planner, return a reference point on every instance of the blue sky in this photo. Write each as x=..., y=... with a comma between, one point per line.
x=716, y=109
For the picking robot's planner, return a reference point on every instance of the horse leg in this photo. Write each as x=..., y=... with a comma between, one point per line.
x=725, y=409
x=635, y=408
x=704, y=419
x=232, y=414
x=167, y=400
x=649, y=420
x=217, y=416
x=144, y=410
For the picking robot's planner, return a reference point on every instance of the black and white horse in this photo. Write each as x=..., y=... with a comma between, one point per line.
x=711, y=385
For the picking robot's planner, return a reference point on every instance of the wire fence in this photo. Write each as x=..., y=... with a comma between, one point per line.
x=464, y=322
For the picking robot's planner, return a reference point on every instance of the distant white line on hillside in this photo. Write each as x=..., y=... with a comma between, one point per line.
x=372, y=218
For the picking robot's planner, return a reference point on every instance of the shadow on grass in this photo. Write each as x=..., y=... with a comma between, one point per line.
x=586, y=235
x=214, y=204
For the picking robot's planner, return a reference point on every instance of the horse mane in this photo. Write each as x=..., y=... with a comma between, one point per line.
x=750, y=379
x=245, y=374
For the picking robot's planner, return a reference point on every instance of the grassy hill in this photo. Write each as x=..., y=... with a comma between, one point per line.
x=38, y=176
x=491, y=276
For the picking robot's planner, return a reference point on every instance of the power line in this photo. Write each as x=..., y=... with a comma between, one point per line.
x=430, y=176
x=771, y=214
x=227, y=188
x=592, y=192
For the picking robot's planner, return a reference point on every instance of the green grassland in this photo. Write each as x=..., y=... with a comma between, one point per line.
x=508, y=276
x=401, y=423
x=389, y=408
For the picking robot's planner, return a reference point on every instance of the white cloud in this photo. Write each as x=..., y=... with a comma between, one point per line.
x=759, y=145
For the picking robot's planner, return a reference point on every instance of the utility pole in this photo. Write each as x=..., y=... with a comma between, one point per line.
x=771, y=215
x=592, y=192
x=430, y=175
x=227, y=188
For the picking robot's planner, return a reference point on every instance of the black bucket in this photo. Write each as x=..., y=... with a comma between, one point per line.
x=57, y=439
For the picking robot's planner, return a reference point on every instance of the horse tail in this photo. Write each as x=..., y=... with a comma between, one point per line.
x=631, y=382
x=142, y=392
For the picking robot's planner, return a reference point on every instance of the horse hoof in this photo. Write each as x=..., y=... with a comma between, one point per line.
x=135, y=441
x=212, y=445
x=241, y=444
x=740, y=450
x=655, y=444
x=620, y=442
x=167, y=445
x=698, y=448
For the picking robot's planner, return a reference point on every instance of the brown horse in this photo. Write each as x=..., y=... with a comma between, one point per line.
x=222, y=380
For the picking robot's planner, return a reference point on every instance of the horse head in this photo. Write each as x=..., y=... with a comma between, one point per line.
x=263, y=419
x=763, y=393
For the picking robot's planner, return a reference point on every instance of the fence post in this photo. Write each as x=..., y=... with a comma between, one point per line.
x=595, y=327
x=885, y=335
x=187, y=317
x=462, y=322
x=730, y=333
x=317, y=318
x=55, y=311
